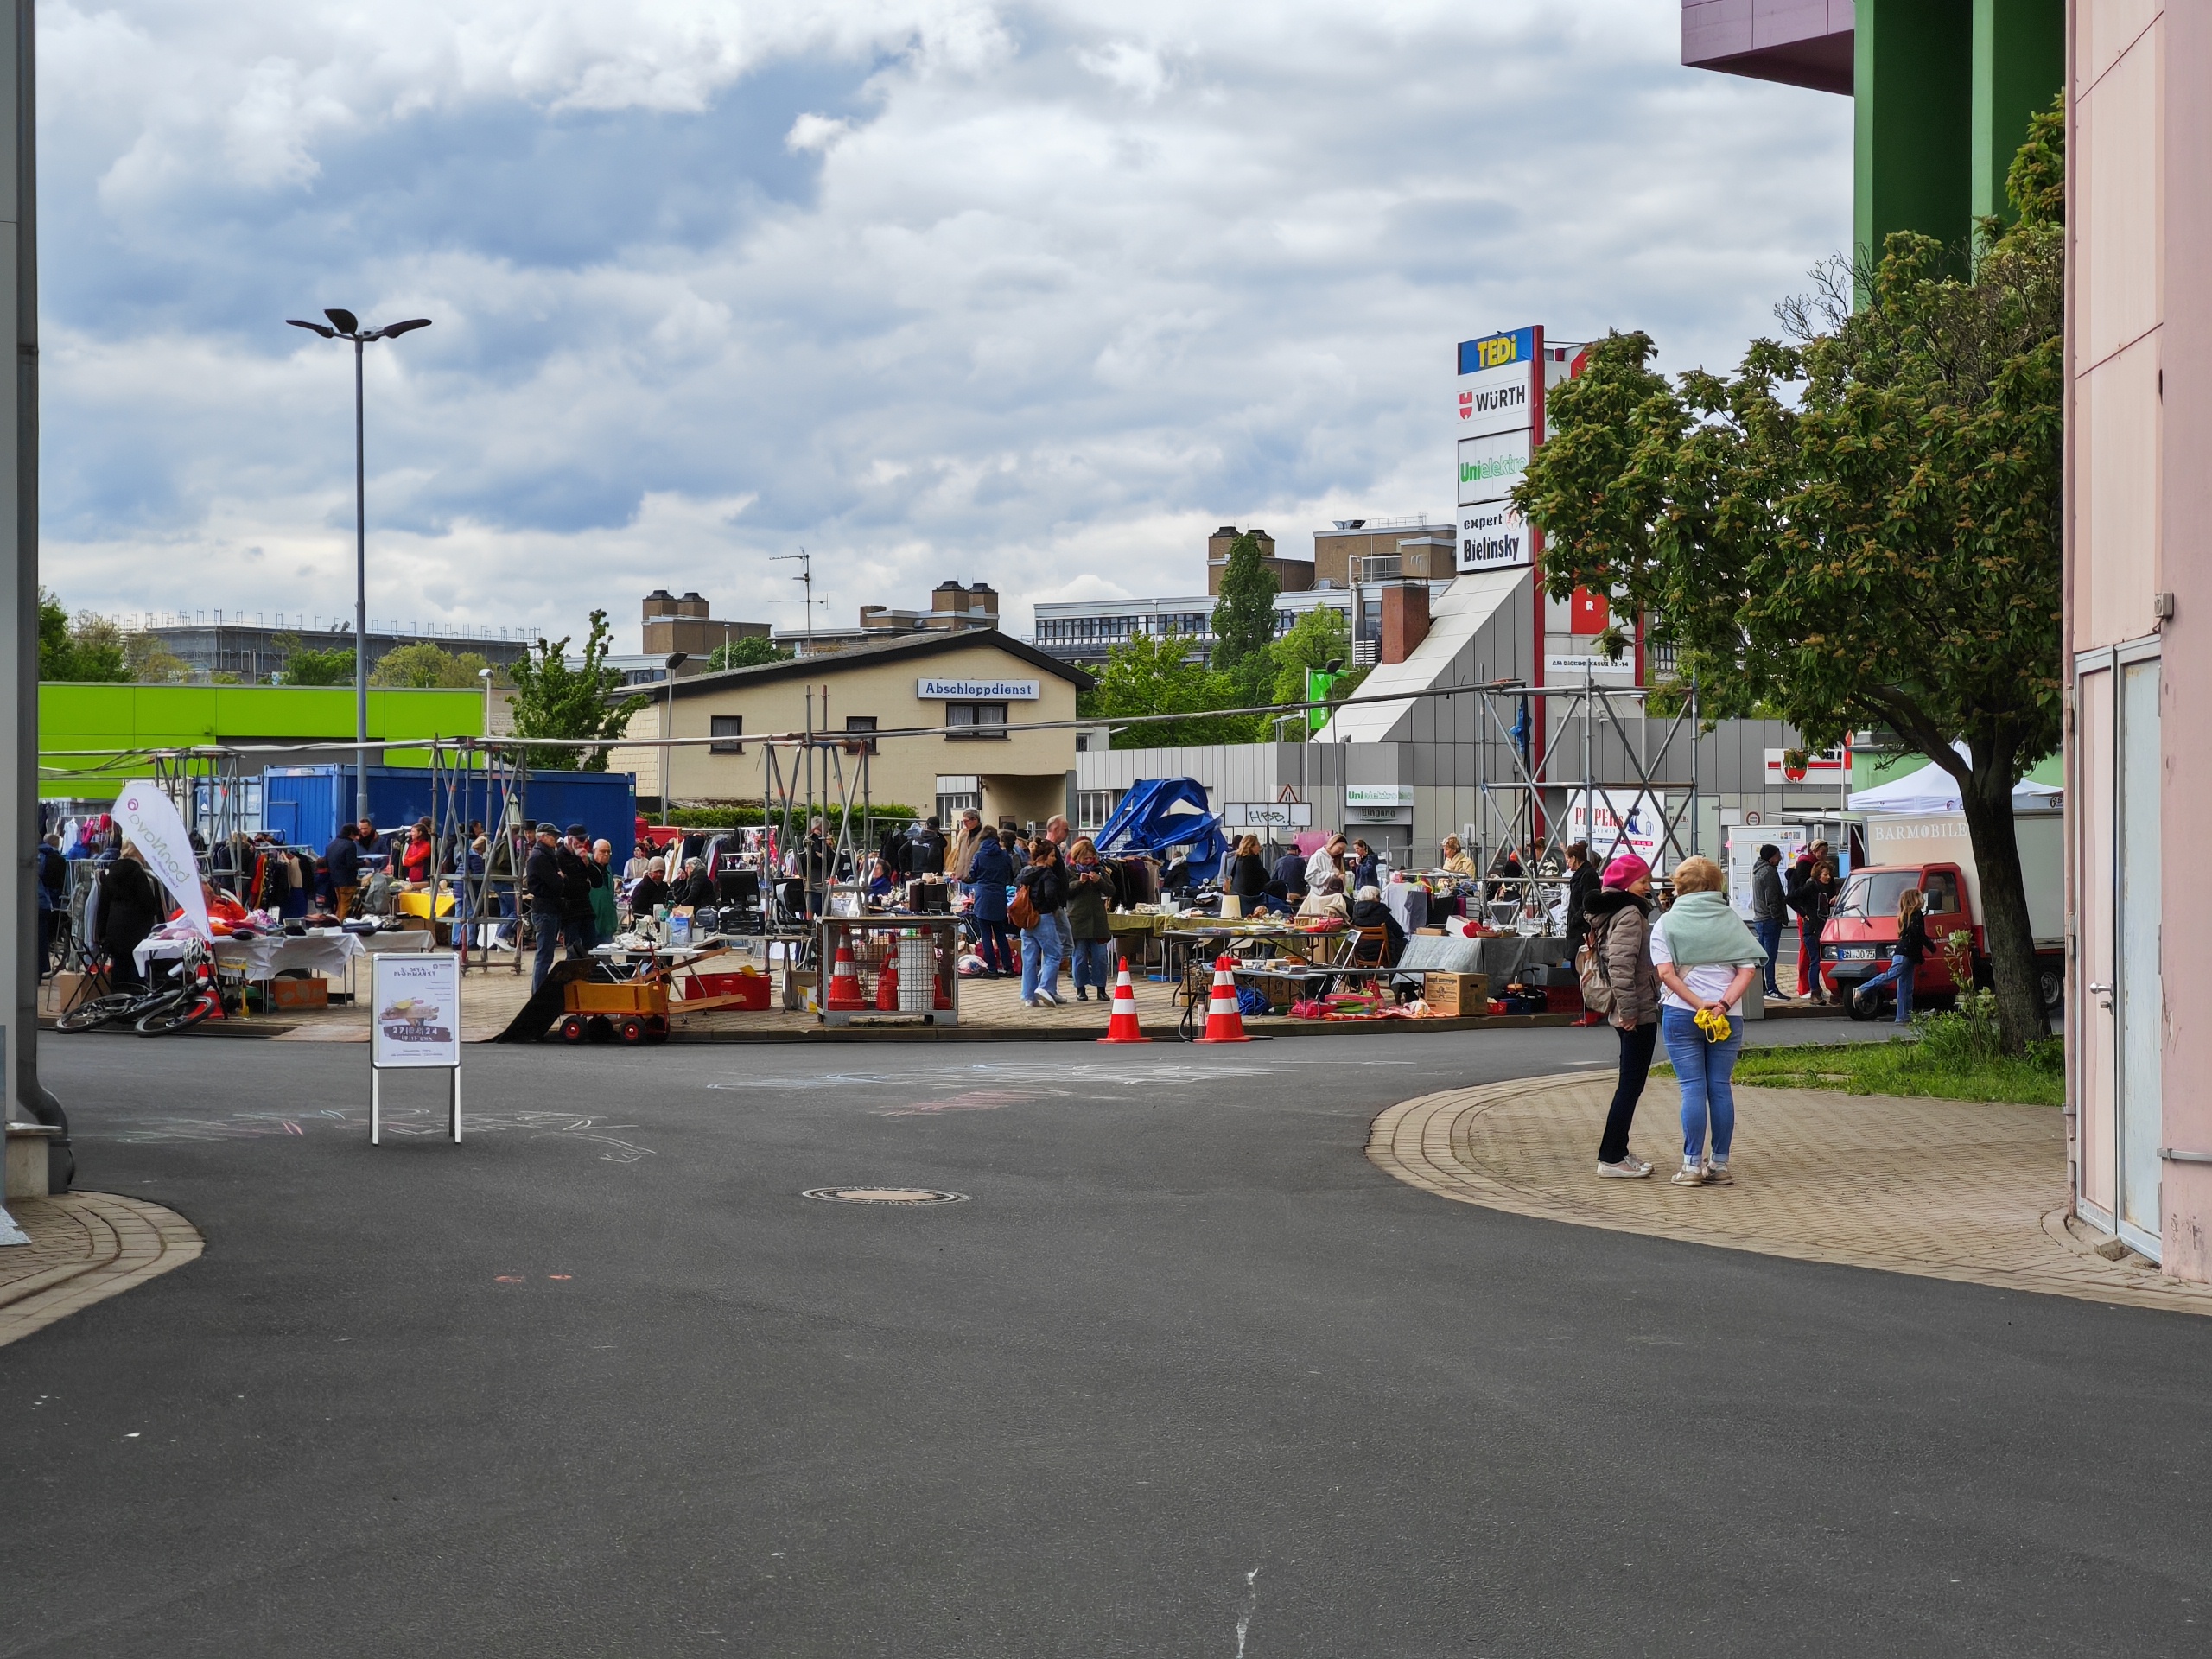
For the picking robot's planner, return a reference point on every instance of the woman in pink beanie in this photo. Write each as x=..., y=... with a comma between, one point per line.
x=1620, y=939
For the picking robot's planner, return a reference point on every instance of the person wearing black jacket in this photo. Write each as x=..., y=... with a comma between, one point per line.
x=1247, y=876
x=342, y=858
x=1904, y=962
x=542, y=885
x=53, y=896
x=1368, y=910
x=1583, y=884
x=1045, y=880
x=573, y=859
x=130, y=908
x=925, y=853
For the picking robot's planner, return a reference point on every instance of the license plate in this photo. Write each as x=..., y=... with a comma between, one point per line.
x=1855, y=953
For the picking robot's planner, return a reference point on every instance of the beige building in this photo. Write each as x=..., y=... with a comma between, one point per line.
x=1409, y=547
x=974, y=685
x=1292, y=576
x=673, y=624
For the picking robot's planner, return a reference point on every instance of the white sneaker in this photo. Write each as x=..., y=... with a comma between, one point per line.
x=1047, y=1000
x=1717, y=1175
x=1627, y=1170
x=1689, y=1175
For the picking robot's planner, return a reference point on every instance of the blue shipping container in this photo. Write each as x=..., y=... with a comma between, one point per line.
x=303, y=805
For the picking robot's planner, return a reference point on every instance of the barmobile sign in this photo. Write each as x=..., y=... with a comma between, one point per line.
x=932, y=691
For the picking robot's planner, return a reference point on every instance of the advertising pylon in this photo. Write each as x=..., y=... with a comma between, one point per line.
x=1224, y=1022
x=844, y=979
x=1122, y=1026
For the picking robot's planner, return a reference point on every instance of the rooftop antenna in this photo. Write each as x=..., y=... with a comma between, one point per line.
x=805, y=562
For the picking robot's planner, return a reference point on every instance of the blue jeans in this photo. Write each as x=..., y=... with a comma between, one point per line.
x=1040, y=958
x=1900, y=974
x=1769, y=934
x=1703, y=1069
x=994, y=944
x=550, y=933
x=1093, y=964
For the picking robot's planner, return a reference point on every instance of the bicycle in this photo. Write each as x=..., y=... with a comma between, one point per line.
x=194, y=995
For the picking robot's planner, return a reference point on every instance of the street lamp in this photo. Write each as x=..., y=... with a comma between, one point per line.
x=675, y=660
x=344, y=325
x=485, y=675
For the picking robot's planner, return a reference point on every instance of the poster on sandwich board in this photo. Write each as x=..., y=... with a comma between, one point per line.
x=415, y=1010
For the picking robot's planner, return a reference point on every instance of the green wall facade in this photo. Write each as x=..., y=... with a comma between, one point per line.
x=1943, y=93
x=135, y=718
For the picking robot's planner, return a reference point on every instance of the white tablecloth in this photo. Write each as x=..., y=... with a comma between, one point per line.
x=267, y=955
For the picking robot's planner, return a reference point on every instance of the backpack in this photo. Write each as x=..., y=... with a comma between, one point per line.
x=1590, y=969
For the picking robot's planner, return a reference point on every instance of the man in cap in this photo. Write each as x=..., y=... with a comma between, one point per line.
x=541, y=884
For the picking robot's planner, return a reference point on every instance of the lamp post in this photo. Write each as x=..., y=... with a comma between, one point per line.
x=675, y=660
x=344, y=325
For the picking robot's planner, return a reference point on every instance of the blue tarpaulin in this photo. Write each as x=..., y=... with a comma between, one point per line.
x=1162, y=812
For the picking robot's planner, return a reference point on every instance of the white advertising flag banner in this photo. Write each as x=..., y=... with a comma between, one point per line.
x=417, y=1004
x=150, y=823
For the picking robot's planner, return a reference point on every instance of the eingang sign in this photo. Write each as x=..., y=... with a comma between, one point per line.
x=933, y=690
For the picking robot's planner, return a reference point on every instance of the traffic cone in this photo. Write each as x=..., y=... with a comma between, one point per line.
x=1224, y=1022
x=844, y=979
x=886, y=984
x=1122, y=1026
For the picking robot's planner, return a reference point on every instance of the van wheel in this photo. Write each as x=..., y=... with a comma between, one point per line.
x=2051, y=982
x=1861, y=1008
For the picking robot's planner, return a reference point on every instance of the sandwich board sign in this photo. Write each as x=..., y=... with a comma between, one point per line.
x=415, y=1025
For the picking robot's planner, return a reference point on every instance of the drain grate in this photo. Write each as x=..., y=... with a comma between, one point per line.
x=907, y=1195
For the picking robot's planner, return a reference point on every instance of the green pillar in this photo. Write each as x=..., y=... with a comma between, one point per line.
x=1913, y=103
x=2019, y=64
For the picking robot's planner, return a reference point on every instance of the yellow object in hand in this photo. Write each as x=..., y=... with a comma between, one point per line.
x=1713, y=1023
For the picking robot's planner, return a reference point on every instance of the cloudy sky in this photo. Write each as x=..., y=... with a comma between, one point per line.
x=1035, y=294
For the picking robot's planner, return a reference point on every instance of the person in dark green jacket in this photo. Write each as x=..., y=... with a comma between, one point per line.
x=1088, y=906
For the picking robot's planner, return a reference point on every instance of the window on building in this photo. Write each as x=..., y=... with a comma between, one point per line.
x=860, y=723
x=726, y=730
x=974, y=719
x=1094, y=806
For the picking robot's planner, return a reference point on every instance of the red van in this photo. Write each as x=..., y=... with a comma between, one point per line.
x=1861, y=935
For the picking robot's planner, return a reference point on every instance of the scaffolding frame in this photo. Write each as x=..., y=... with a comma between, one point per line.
x=1515, y=809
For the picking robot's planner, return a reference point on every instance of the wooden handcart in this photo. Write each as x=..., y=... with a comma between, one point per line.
x=639, y=1009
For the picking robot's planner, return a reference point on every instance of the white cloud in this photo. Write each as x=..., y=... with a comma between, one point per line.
x=1036, y=294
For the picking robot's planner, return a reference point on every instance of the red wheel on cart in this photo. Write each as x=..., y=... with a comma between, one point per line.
x=572, y=1029
x=634, y=1030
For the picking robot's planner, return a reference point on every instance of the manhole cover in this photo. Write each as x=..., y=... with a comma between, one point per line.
x=882, y=1195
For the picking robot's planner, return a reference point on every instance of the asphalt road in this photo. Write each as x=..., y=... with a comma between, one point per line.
x=1186, y=1376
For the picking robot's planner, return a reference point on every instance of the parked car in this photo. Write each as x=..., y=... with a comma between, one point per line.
x=1861, y=935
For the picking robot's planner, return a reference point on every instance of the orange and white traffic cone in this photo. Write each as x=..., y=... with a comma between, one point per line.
x=845, y=980
x=1224, y=1022
x=1123, y=1026
x=886, y=984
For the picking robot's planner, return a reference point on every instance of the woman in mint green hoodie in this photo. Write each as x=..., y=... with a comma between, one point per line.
x=1706, y=959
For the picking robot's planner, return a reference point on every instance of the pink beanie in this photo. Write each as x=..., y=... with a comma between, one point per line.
x=1626, y=871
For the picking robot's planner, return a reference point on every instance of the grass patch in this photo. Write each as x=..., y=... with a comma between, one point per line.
x=1906, y=1066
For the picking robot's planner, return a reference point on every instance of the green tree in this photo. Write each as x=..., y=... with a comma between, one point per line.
x=88, y=649
x=1245, y=622
x=304, y=665
x=152, y=663
x=1149, y=675
x=422, y=666
x=1320, y=637
x=748, y=650
x=1860, y=528
x=551, y=699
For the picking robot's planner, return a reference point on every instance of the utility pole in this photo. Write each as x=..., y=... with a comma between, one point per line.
x=21, y=1095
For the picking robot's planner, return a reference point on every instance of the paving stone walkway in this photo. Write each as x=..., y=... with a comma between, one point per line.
x=85, y=1246
x=1945, y=1189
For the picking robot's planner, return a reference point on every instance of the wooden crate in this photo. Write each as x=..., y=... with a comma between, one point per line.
x=629, y=996
x=1455, y=995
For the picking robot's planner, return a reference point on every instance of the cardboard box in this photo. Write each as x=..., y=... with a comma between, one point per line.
x=1455, y=995
x=65, y=990
x=298, y=992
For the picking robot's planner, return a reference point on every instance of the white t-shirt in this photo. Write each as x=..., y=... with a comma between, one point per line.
x=1321, y=863
x=1709, y=980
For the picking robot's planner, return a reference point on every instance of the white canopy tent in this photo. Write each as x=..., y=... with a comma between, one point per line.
x=1931, y=789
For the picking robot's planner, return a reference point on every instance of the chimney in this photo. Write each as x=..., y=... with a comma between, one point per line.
x=1405, y=619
